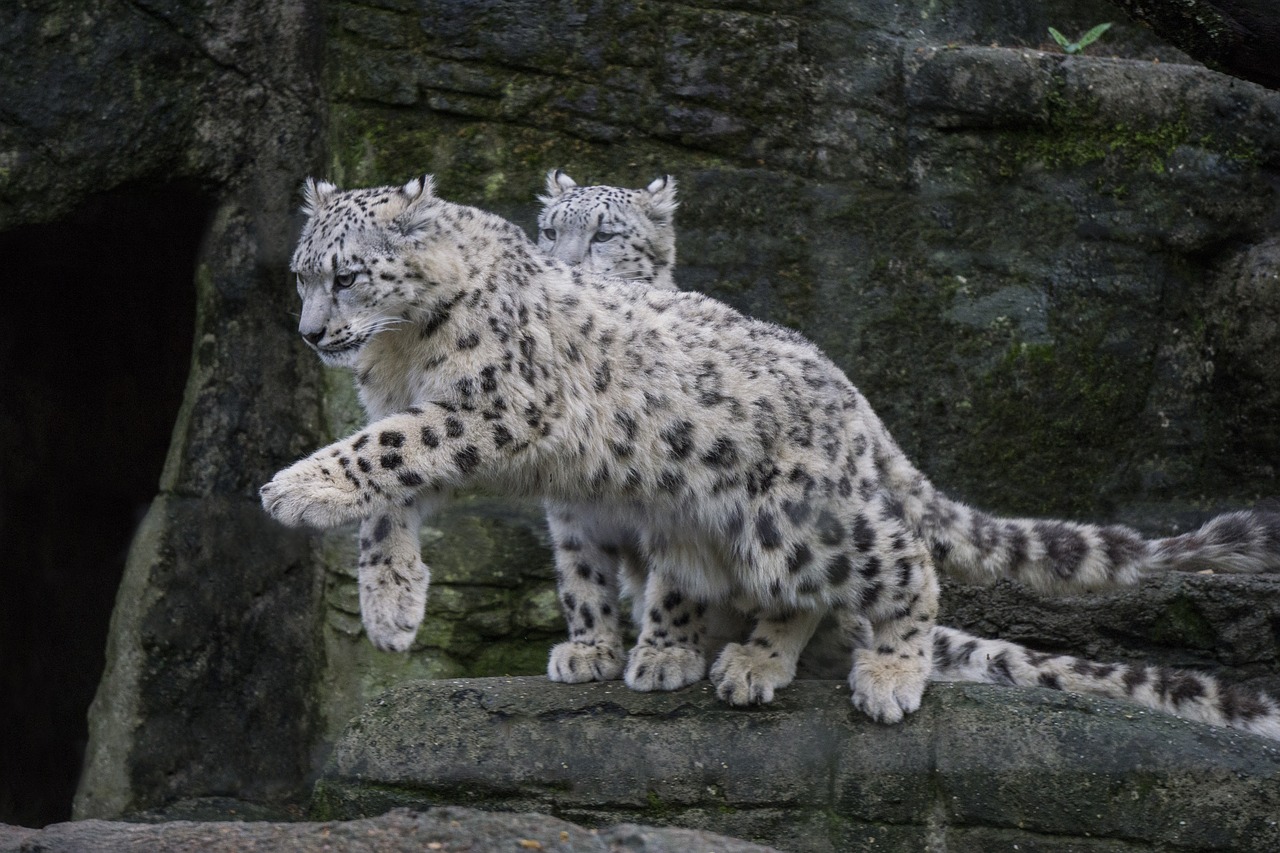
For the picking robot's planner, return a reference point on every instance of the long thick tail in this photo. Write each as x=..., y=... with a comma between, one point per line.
x=958, y=656
x=1064, y=556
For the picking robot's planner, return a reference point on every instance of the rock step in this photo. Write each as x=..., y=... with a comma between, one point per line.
x=445, y=829
x=977, y=768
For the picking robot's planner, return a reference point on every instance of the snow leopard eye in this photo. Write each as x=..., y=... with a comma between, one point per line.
x=343, y=280
x=603, y=237
x=549, y=233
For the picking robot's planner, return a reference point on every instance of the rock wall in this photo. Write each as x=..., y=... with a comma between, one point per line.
x=212, y=658
x=1053, y=276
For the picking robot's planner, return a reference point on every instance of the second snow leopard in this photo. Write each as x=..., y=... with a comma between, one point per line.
x=758, y=478
x=629, y=234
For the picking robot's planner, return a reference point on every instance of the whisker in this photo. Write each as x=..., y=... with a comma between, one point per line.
x=626, y=275
x=382, y=325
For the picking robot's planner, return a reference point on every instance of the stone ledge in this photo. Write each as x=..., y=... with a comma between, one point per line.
x=977, y=765
x=446, y=829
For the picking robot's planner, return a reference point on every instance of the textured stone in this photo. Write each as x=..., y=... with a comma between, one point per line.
x=448, y=829
x=809, y=773
x=1239, y=37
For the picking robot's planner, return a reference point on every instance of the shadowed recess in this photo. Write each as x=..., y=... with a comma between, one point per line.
x=93, y=360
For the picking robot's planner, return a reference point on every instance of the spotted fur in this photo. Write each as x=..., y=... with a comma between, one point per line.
x=612, y=231
x=625, y=234
x=744, y=458
x=591, y=552
x=481, y=362
x=958, y=656
x=1048, y=555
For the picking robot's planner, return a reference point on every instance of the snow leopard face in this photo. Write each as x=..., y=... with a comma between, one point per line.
x=363, y=266
x=620, y=233
x=351, y=288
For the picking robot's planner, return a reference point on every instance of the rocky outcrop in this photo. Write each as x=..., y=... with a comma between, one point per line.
x=401, y=830
x=977, y=768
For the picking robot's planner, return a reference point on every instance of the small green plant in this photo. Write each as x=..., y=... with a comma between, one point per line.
x=1084, y=41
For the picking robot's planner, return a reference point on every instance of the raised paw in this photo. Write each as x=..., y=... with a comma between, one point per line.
x=392, y=605
x=573, y=663
x=312, y=492
x=887, y=687
x=748, y=675
x=650, y=668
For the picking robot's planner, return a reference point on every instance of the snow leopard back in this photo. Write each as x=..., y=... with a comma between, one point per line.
x=629, y=234
x=965, y=542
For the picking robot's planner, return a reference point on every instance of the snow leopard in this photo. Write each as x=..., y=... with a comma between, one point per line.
x=757, y=476
x=642, y=219
x=620, y=233
x=1051, y=556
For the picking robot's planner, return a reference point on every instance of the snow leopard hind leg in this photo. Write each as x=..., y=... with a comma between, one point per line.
x=856, y=561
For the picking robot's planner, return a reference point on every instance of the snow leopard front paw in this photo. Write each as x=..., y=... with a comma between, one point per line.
x=392, y=604
x=573, y=663
x=748, y=675
x=650, y=668
x=887, y=687
x=313, y=492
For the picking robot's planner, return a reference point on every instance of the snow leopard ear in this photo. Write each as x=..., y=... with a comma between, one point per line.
x=314, y=194
x=662, y=197
x=558, y=182
x=422, y=187
x=417, y=196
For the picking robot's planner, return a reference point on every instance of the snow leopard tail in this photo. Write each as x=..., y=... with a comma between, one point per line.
x=1063, y=556
x=958, y=656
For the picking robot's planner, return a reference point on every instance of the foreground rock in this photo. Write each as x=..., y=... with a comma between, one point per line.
x=437, y=829
x=977, y=768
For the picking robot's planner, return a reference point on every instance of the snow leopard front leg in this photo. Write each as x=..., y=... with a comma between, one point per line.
x=748, y=673
x=588, y=557
x=669, y=653
x=392, y=462
x=392, y=578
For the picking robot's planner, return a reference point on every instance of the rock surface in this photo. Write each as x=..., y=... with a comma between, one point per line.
x=977, y=768
x=1055, y=278
x=445, y=829
x=1239, y=37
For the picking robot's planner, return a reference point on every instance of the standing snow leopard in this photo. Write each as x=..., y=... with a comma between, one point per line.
x=756, y=475
x=1048, y=555
x=570, y=227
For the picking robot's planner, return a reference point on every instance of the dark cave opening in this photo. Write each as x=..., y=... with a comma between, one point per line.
x=93, y=361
